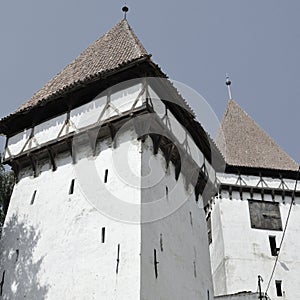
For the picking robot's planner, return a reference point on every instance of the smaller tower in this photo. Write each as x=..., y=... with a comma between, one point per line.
x=248, y=218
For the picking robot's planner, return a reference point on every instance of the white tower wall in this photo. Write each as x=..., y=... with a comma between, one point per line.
x=52, y=243
x=67, y=259
x=179, y=238
x=240, y=253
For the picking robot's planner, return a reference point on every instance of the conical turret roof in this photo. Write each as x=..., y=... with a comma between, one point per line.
x=117, y=47
x=245, y=144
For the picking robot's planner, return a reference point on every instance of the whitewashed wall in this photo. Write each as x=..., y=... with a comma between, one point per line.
x=69, y=261
x=180, y=238
x=240, y=253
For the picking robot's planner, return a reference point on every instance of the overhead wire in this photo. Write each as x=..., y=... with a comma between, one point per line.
x=284, y=231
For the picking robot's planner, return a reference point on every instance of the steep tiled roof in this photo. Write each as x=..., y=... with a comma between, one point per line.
x=117, y=47
x=245, y=144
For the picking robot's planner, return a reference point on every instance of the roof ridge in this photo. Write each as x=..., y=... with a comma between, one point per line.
x=134, y=36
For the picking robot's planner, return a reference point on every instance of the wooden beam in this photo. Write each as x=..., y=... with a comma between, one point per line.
x=52, y=158
x=69, y=143
x=33, y=163
x=93, y=137
x=156, y=139
x=112, y=131
x=16, y=169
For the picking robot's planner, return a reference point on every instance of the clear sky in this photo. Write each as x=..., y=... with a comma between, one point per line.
x=194, y=41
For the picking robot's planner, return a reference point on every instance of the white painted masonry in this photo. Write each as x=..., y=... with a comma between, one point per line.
x=74, y=262
x=240, y=253
x=180, y=239
x=53, y=244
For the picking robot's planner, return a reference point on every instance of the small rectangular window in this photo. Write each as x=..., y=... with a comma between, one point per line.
x=103, y=235
x=155, y=264
x=278, y=284
x=265, y=215
x=209, y=233
x=191, y=218
x=2, y=283
x=106, y=176
x=274, y=249
x=118, y=259
x=33, y=197
x=71, y=190
x=161, y=243
x=17, y=255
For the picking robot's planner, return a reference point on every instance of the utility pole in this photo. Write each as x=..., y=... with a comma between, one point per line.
x=260, y=280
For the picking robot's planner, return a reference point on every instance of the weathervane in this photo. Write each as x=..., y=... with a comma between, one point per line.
x=125, y=9
x=228, y=83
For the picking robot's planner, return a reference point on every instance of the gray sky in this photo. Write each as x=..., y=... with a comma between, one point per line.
x=195, y=42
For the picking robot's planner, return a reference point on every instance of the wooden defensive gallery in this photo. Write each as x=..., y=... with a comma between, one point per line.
x=121, y=193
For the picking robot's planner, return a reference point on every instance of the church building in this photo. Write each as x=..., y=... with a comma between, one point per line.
x=112, y=171
x=121, y=193
x=253, y=222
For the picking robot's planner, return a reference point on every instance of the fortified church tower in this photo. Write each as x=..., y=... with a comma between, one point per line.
x=113, y=171
x=254, y=221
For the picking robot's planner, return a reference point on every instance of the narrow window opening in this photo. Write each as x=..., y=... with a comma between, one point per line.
x=207, y=294
x=209, y=228
x=106, y=176
x=274, y=249
x=103, y=235
x=191, y=218
x=278, y=284
x=155, y=264
x=161, y=243
x=17, y=255
x=195, y=270
x=167, y=192
x=33, y=197
x=71, y=190
x=2, y=283
x=118, y=259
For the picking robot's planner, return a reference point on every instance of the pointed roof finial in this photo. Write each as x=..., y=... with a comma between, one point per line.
x=228, y=83
x=125, y=9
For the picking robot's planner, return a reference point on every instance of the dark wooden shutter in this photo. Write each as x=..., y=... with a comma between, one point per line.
x=265, y=215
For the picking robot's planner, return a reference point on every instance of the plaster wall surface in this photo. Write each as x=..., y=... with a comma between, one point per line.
x=176, y=243
x=247, y=251
x=53, y=248
x=217, y=251
x=52, y=242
